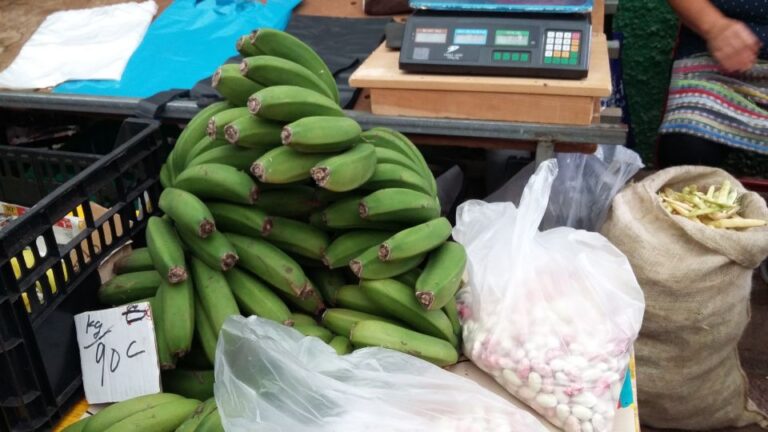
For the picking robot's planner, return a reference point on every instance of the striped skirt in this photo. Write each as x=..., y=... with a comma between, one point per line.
x=728, y=109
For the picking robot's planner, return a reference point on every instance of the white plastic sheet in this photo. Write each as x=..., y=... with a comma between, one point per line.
x=80, y=44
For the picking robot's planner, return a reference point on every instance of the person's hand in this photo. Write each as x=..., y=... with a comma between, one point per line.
x=733, y=45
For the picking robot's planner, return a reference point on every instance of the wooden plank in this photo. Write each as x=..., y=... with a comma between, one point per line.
x=550, y=109
x=497, y=144
x=381, y=71
x=598, y=17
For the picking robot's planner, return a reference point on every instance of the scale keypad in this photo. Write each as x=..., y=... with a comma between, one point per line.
x=562, y=47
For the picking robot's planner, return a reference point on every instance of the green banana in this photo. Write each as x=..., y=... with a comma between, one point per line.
x=381, y=334
x=442, y=275
x=416, y=240
x=347, y=171
x=211, y=423
x=288, y=103
x=272, y=265
x=327, y=282
x=398, y=301
x=218, y=181
x=166, y=250
x=114, y=413
x=129, y=287
x=255, y=298
x=193, y=384
x=205, y=333
x=302, y=319
x=341, y=321
x=194, y=131
x=237, y=157
x=204, y=146
x=281, y=44
x=166, y=177
x=315, y=330
x=369, y=266
x=452, y=312
x=396, y=176
x=245, y=47
x=409, y=278
x=341, y=344
x=289, y=201
x=350, y=245
x=352, y=297
x=193, y=421
x=77, y=426
x=178, y=325
x=399, y=205
x=214, y=293
x=138, y=260
x=238, y=219
x=189, y=214
x=345, y=214
x=297, y=237
x=220, y=120
x=254, y=132
x=165, y=358
x=312, y=304
x=271, y=71
x=284, y=165
x=415, y=154
x=321, y=134
x=215, y=251
x=388, y=156
x=231, y=84
x=161, y=418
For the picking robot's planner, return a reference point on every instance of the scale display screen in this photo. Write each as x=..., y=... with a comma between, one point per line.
x=431, y=35
x=556, y=6
x=512, y=37
x=470, y=36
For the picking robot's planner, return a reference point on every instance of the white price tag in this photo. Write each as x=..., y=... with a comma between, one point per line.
x=118, y=354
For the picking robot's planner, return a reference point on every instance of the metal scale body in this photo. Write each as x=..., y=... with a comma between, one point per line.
x=524, y=38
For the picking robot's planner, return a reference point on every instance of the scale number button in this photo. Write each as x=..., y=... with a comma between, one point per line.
x=421, y=53
x=567, y=35
x=559, y=35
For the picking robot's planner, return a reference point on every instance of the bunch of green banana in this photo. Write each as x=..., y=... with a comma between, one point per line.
x=160, y=412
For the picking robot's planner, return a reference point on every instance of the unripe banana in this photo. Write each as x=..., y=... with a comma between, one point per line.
x=245, y=47
x=284, y=165
x=237, y=157
x=218, y=181
x=166, y=178
x=189, y=214
x=238, y=219
x=396, y=176
x=452, y=312
x=300, y=319
x=271, y=71
x=215, y=250
x=369, y=266
x=321, y=134
x=129, y=287
x=281, y=44
x=416, y=155
x=381, y=334
x=409, y=278
x=347, y=171
x=416, y=240
x=77, y=426
x=441, y=278
x=341, y=321
x=327, y=282
x=314, y=330
x=179, y=322
x=204, y=146
x=205, y=334
x=166, y=250
x=211, y=423
x=289, y=201
x=214, y=293
x=162, y=418
x=218, y=121
x=272, y=265
x=352, y=297
x=398, y=301
x=164, y=357
x=388, y=156
x=312, y=304
x=255, y=298
x=345, y=214
x=350, y=245
x=288, y=103
x=122, y=410
x=341, y=344
x=254, y=132
x=231, y=84
x=138, y=260
x=193, y=421
x=297, y=237
x=194, y=131
x=193, y=384
x=399, y=205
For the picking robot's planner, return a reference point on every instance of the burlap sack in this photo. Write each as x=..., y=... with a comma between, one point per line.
x=697, y=281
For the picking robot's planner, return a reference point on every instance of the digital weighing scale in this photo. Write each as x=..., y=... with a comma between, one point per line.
x=527, y=38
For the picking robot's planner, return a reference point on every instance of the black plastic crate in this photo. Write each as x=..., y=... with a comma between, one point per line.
x=39, y=362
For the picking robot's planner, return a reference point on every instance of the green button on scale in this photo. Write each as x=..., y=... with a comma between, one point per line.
x=497, y=56
x=548, y=60
x=516, y=57
x=505, y=56
x=524, y=57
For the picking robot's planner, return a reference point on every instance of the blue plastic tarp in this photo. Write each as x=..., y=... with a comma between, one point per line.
x=186, y=43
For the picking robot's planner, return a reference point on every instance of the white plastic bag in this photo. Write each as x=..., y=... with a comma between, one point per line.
x=551, y=315
x=271, y=378
x=584, y=188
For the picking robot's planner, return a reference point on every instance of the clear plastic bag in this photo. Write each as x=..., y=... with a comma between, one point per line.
x=584, y=188
x=271, y=378
x=550, y=315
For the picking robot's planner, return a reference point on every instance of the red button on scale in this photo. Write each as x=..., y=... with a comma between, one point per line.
x=576, y=35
